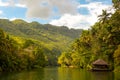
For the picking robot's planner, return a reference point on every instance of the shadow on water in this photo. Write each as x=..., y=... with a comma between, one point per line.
x=60, y=74
x=103, y=75
x=25, y=75
x=117, y=76
x=80, y=74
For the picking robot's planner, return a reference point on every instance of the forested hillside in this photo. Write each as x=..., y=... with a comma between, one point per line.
x=22, y=28
x=47, y=34
x=18, y=54
x=32, y=45
x=102, y=41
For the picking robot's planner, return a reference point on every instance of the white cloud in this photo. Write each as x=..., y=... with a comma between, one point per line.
x=11, y=3
x=79, y=20
x=72, y=21
x=95, y=8
x=20, y=5
x=67, y=9
x=1, y=12
x=3, y=17
x=14, y=18
x=3, y=3
x=45, y=8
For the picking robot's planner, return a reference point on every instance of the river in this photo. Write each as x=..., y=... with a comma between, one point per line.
x=59, y=74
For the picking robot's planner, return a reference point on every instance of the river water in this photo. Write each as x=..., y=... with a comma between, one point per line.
x=59, y=74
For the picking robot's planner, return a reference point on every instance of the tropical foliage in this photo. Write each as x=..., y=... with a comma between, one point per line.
x=15, y=57
x=101, y=41
x=32, y=45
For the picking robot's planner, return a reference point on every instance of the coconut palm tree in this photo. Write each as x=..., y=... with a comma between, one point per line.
x=104, y=16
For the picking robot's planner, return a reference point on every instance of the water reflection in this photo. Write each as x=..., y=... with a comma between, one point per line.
x=117, y=76
x=26, y=75
x=103, y=75
x=60, y=74
x=50, y=74
x=78, y=74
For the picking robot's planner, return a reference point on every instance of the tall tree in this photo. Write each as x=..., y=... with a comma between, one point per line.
x=104, y=16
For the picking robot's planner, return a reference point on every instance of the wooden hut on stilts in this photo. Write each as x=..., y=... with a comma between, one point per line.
x=100, y=65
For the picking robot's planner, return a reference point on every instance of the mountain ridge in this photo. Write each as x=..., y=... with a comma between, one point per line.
x=47, y=34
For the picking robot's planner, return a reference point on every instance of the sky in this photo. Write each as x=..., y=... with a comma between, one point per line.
x=78, y=14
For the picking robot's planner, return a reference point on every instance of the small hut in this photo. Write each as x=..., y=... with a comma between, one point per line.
x=100, y=65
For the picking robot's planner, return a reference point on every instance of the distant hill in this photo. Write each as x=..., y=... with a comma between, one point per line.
x=49, y=35
x=52, y=40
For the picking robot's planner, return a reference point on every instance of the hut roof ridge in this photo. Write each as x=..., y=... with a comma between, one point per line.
x=100, y=62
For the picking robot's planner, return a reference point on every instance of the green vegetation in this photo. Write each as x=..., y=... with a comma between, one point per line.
x=16, y=56
x=101, y=41
x=32, y=45
x=50, y=36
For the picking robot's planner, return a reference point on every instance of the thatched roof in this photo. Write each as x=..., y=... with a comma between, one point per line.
x=100, y=62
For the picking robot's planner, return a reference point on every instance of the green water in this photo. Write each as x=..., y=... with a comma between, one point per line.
x=60, y=74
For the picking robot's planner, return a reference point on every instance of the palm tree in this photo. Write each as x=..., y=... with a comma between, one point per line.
x=104, y=16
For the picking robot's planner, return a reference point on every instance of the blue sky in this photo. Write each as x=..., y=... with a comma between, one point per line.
x=71, y=13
